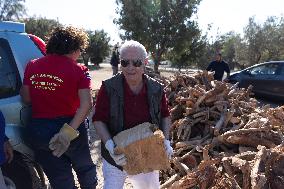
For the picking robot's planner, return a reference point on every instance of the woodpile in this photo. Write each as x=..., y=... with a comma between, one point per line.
x=221, y=137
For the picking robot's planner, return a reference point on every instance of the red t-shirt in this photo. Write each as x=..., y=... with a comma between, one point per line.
x=136, y=107
x=54, y=82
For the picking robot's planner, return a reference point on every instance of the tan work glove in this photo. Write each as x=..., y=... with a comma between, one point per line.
x=60, y=142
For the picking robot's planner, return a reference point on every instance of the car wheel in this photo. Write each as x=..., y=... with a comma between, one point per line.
x=22, y=173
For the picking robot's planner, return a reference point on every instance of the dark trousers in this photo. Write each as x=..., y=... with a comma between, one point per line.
x=114, y=70
x=59, y=170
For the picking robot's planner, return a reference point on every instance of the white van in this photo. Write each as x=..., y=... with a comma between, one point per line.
x=17, y=48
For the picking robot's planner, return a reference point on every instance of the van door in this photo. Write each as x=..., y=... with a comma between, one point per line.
x=10, y=83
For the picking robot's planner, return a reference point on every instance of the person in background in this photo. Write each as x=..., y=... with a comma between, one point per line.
x=6, y=150
x=219, y=67
x=59, y=90
x=124, y=101
x=114, y=61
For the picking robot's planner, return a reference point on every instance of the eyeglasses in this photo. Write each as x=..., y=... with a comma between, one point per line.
x=135, y=63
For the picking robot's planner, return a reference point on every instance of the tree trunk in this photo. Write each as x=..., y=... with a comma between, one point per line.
x=156, y=63
x=85, y=59
x=156, y=67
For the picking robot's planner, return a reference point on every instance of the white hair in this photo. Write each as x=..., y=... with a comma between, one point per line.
x=133, y=50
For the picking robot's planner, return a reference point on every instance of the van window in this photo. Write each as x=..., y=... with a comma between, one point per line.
x=9, y=76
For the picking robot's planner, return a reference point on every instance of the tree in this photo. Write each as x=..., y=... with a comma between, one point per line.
x=12, y=9
x=265, y=41
x=40, y=27
x=274, y=39
x=159, y=24
x=98, y=47
x=261, y=42
x=256, y=41
x=241, y=52
x=189, y=53
x=229, y=45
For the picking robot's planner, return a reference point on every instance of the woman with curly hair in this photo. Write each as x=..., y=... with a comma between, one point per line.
x=59, y=90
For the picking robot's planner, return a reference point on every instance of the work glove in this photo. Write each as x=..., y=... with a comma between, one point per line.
x=60, y=142
x=119, y=159
x=169, y=149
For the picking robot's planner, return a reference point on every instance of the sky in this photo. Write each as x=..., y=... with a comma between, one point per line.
x=223, y=15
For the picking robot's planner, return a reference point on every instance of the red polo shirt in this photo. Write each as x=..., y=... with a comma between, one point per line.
x=136, y=107
x=54, y=82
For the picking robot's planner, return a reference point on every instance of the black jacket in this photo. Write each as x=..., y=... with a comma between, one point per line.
x=219, y=68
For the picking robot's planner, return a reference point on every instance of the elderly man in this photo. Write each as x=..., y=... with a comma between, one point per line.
x=124, y=101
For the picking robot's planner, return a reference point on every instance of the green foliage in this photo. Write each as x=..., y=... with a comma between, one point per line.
x=40, y=27
x=265, y=42
x=232, y=47
x=240, y=47
x=261, y=42
x=273, y=30
x=98, y=47
x=12, y=10
x=255, y=39
x=189, y=53
x=161, y=25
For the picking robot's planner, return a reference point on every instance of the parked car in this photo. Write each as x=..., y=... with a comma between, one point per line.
x=16, y=49
x=266, y=78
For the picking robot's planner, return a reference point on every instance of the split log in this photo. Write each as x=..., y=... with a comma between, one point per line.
x=170, y=181
x=219, y=124
x=258, y=178
x=143, y=147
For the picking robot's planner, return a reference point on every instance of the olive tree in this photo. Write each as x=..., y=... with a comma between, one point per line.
x=160, y=25
x=12, y=10
x=98, y=47
x=40, y=27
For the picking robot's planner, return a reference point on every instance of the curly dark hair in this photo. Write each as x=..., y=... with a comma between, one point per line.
x=65, y=40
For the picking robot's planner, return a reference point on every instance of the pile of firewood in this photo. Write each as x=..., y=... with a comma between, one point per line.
x=221, y=137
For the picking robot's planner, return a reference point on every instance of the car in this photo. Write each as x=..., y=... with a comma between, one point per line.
x=17, y=48
x=266, y=78
x=166, y=63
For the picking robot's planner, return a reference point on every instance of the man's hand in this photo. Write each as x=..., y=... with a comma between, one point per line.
x=119, y=159
x=60, y=142
x=8, y=150
x=169, y=149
